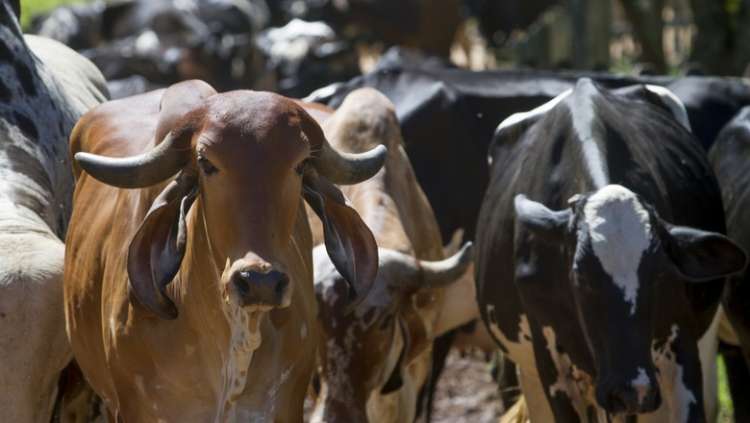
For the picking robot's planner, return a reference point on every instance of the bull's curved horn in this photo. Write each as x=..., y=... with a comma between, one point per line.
x=149, y=168
x=417, y=274
x=436, y=274
x=349, y=168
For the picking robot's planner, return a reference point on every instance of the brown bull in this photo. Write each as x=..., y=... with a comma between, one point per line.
x=376, y=359
x=191, y=300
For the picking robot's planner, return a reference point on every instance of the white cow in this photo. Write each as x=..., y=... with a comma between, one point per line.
x=44, y=88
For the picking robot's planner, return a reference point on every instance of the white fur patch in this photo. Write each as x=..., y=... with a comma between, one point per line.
x=244, y=325
x=584, y=123
x=324, y=273
x=640, y=384
x=571, y=381
x=517, y=118
x=670, y=377
x=520, y=352
x=674, y=104
x=620, y=233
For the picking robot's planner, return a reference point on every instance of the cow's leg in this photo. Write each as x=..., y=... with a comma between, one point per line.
x=680, y=378
x=708, y=347
x=738, y=378
x=554, y=391
x=533, y=393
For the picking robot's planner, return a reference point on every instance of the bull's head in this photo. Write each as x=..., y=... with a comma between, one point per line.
x=245, y=158
x=620, y=254
x=367, y=351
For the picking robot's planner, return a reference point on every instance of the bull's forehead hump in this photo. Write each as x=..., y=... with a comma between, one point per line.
x=254, y=113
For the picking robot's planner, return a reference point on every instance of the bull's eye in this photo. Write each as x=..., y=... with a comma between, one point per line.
x=300, y=169
x=206, y=166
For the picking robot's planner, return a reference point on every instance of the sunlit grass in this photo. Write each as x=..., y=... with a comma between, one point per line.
x=726, y=409
x=29, y=8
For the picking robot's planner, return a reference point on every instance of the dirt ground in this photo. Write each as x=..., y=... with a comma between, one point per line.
x=466, y=392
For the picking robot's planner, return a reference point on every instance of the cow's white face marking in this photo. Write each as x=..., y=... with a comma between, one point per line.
x=620, y=233
x=640, y=384
x=303, y=331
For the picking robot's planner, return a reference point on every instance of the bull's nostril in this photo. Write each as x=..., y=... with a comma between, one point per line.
x=282, y=284
x=268, y=288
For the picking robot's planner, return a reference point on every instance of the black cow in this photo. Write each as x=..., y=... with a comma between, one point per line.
x=592, y=274
x=711, y=102
x=448, y=117
x=729, y=157
x=307, y=55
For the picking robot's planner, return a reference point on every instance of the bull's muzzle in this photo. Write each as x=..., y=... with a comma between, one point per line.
x=256, y=287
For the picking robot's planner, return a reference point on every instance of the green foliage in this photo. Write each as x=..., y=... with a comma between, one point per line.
x=726, y=409
x=733, y=6
x=29, y=8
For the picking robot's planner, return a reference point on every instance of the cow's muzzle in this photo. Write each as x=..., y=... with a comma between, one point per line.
x=259, y=286
x=636, y=396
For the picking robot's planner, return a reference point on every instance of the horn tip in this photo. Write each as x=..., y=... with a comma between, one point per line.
x=466, y=251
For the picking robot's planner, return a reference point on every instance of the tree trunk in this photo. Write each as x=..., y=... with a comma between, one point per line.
x=648, y=29
x=592, y=30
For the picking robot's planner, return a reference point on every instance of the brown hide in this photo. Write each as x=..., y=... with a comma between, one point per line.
x=390, y=322
x=217, y=358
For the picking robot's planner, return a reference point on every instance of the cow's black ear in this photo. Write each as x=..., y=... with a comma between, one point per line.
x=702, y=256
x=541, y=221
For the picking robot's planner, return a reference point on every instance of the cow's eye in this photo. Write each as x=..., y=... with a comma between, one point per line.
x=206, y=166
x=300, y=169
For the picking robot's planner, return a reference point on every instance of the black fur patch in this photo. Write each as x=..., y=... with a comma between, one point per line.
x=26, y=77
x=5, y=93
x=6, y=54
x=26, y=164
x=26, y=125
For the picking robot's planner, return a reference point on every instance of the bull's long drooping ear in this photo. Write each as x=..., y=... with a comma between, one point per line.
x=536, y=217
x=157, y=249
x=349, y=242
x=702, y=256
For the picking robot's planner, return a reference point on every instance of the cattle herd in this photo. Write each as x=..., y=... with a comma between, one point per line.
x=175, y=247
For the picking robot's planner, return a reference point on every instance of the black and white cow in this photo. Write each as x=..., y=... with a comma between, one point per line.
x=44, y=88
x=600, y=259
x=729, y=157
